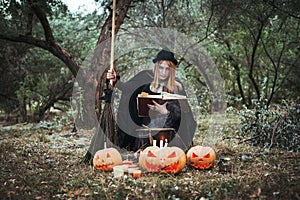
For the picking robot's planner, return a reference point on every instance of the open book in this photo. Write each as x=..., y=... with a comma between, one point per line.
x=144, y=98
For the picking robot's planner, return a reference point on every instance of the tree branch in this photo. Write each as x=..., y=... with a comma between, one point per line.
x=41, y=14
x=271, y=3
x=255, y=46
x=238, y=72
x=52, y=47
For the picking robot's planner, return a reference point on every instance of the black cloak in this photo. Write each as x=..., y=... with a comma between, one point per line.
x=128, y=120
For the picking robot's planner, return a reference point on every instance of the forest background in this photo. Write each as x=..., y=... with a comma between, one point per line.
x=254, y=44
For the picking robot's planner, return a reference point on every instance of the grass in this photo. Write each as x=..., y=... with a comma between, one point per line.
x=43, y=164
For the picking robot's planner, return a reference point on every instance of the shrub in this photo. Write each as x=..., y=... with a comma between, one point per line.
x=272, y=127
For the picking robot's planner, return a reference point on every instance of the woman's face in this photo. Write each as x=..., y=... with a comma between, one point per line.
x=163, y=71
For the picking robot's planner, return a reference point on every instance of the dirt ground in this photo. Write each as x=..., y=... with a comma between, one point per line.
x=46, y=164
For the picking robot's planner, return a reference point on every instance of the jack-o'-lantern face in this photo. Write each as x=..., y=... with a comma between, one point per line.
x=166, y=159
x=201, y=157
x=106, y=159
x=144, y=153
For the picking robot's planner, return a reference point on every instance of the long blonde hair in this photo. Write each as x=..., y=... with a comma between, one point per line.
x=172, y=86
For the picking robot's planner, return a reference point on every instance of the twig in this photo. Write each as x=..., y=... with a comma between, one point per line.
x=249, y=139
x=273, y=133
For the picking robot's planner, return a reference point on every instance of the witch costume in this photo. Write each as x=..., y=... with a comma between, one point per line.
x=179, y=117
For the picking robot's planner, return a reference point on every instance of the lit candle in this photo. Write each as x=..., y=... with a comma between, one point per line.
x=166, y=142
x=154, y=143
x=161, y=143
x=137, y=174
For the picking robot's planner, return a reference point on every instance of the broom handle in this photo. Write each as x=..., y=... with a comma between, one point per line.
x=112, y=49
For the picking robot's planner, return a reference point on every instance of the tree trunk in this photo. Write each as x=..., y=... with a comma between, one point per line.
x=103, y=61
x=237, y=72
x=61, y=93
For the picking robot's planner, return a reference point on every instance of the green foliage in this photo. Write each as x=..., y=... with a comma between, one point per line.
x=43, y=74
x=255, y=41
x=250, y=42
x=32, y=76
x=276, y=127
x=77, y=33
x=59, y=122
x=12, y=73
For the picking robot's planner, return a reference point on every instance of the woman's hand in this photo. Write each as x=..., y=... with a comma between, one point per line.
x=162, y=109
x=111, y=75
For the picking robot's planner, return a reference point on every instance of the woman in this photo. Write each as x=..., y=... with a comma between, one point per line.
x=166, y=115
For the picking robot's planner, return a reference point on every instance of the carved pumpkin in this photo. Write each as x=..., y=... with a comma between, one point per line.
x=106, y=159
x=143, y=155
x=166, y=159
x=201, y=157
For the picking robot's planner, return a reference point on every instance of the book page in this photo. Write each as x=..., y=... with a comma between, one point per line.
x=169, y=96
x=144, y=99
x=163, y=96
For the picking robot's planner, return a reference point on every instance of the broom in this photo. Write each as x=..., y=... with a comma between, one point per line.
x=108, y=121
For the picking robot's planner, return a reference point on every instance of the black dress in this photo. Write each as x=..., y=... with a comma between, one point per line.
x=129, y=122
